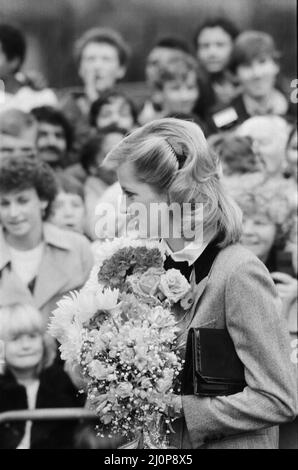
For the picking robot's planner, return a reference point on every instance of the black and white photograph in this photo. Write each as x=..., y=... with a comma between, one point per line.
x=148, y=227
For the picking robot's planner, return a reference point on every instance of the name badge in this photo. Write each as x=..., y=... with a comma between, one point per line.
x=225, y=117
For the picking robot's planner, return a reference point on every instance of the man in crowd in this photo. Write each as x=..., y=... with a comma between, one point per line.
x=54, y=138
x=18, y=134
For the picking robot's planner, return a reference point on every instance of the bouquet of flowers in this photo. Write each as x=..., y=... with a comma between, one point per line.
x=121, y=332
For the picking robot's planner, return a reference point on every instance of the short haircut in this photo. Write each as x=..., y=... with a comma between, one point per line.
x=227, y=25
x=106, y=36
x=17, y=319
x=236, y=152
x=176, y=70
x=13, y=43
x=251, y=45
x=14, y=122
x=173, y=42
x=69, y=185
x=267, y=199
x=107, y=98
x=94, y=145
x=21, y=173
x=55, y=117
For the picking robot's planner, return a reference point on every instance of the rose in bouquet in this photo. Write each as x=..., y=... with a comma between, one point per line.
x=136, y=267
x=120, y=330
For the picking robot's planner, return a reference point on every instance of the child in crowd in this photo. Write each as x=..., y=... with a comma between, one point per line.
x=255, y=63
x=30, y=380
x=178, y=85
x=113, y=109
x=101, y=184
x=39, y=262
x=214, y=42
x=68, y=208
x=163, y=52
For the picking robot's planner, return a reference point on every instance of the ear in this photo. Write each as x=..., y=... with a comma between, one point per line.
x=121, y=72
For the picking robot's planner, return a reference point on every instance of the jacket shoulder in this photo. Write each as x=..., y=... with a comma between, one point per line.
x=232, y=257
x=65, y=239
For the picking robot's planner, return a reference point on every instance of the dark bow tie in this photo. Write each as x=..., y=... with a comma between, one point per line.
x=201, y=266
x=182, y=266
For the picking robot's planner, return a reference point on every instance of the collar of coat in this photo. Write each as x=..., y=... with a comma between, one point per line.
x=52, y=236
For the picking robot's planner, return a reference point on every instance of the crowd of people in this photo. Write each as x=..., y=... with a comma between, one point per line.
x=52, y=145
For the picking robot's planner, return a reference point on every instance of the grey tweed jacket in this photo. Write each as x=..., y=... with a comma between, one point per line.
x=238, y=294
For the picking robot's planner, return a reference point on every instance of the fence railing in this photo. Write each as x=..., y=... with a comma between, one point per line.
x=48, y=414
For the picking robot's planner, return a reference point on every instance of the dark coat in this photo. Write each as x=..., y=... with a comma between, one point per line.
x=55, y=391
x=224, y=118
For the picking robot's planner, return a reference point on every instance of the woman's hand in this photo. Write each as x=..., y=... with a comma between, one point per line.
x=76, y=376
x=176, y=409
x=286, y=285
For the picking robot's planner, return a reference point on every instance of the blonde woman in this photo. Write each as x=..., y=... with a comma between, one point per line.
x=31, y=380
x=168, y=161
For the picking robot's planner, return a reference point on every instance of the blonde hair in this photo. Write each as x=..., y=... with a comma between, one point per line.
x=265, y=197
x=20, y=319
x=172, y=155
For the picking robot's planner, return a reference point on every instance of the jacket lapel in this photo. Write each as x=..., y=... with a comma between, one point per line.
x=51, y=279
x=201, y=273
x=199, y=291
x=12, y=289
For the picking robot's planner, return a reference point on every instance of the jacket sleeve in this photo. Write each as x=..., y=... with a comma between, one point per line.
x=262, y=343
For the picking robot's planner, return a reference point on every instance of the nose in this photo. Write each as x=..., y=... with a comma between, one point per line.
x=25, y=342
x=67, y=211
x=52, y=140
x=256, y=70
x=123, y=205
x=248, y=227
x=14, y=210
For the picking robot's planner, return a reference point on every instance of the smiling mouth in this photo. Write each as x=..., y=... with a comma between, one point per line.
x=16, y=224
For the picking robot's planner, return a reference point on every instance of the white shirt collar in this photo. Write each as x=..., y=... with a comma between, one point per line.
x=191, y=252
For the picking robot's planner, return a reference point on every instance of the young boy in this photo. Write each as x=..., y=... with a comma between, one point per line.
x=68, y=209
x=163, y=52
x=178, y=85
